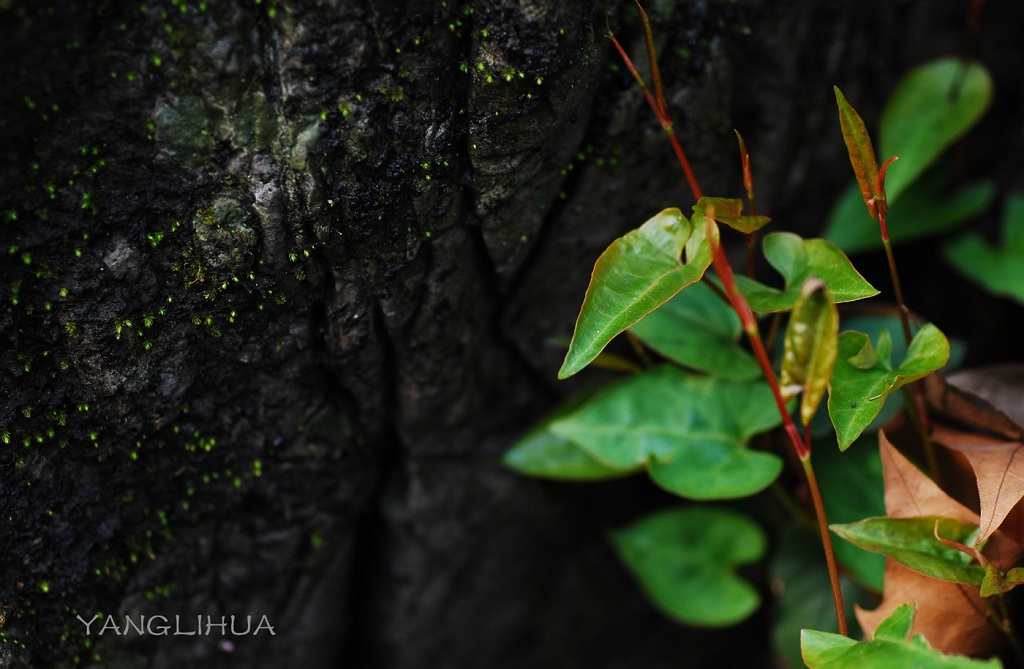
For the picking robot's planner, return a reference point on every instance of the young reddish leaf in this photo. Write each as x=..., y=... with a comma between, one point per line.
x=862, y=154
x=719, y=207
x=748, y=176
x=810, y=347
x=908, y=493
x=637, y=273
x=729, y=212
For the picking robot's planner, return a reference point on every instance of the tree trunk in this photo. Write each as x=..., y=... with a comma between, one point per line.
x=282, y=282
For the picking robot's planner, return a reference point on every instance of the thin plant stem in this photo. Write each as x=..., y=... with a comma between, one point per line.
x=826, y=538
x=916, y=409
x=897, y=288
x=657, y=101
x=739, y=304
x=652, y=58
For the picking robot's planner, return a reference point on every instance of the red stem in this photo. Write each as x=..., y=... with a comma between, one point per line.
x=739, y=304
x=658, y=104
x=826, y=538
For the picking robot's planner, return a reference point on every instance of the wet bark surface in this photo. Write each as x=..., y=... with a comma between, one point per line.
x=281, y=282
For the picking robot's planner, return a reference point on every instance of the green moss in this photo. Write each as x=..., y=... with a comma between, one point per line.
x=225, y=239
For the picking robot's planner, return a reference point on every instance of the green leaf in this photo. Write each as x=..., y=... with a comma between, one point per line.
x=999, y=269
x=685, y=560
x=852, y=488
x=810, y=347
x=824, y=650
x=699, y=330
x=797, y=260
x=912, y=542
x=637, y=273
x=691, y=432
x=898, y=625
x=543, y=453
x=730, y=212
x=998, y=583
x=859, y=392
x=929, y=110
x=931, y=205
x=858, y=146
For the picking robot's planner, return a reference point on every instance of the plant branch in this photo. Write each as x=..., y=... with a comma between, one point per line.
x=739, y=304
x=916, y=409
x=801, y=446
x=826, y=538
x=657, y=101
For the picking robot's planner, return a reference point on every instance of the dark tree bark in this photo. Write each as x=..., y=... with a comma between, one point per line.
x=281, y=282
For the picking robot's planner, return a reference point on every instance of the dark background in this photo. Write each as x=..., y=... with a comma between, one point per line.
x=282, y=280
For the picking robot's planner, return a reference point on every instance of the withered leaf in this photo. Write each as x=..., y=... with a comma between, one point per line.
x=909, y=493
x=977, y=414
x=962, y=407
x=998, y=465
x=1002, y=386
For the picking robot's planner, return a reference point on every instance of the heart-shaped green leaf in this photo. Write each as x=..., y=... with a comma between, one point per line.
x=999, y=269
x=933, y=106
x=637, y=273
x=862, y=379
x=729, y=211
x=797, y=260
x=685, y=560
x=929, y=206
x=912, y=542
x=543, y=453
x=891, y=648
x=699, y=330
x=690, y=431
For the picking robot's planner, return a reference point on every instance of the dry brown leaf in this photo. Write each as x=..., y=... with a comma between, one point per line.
x=998, y=467
x=1002, y=386
x=951, y=616
x=977, y=415
x=962, y=407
